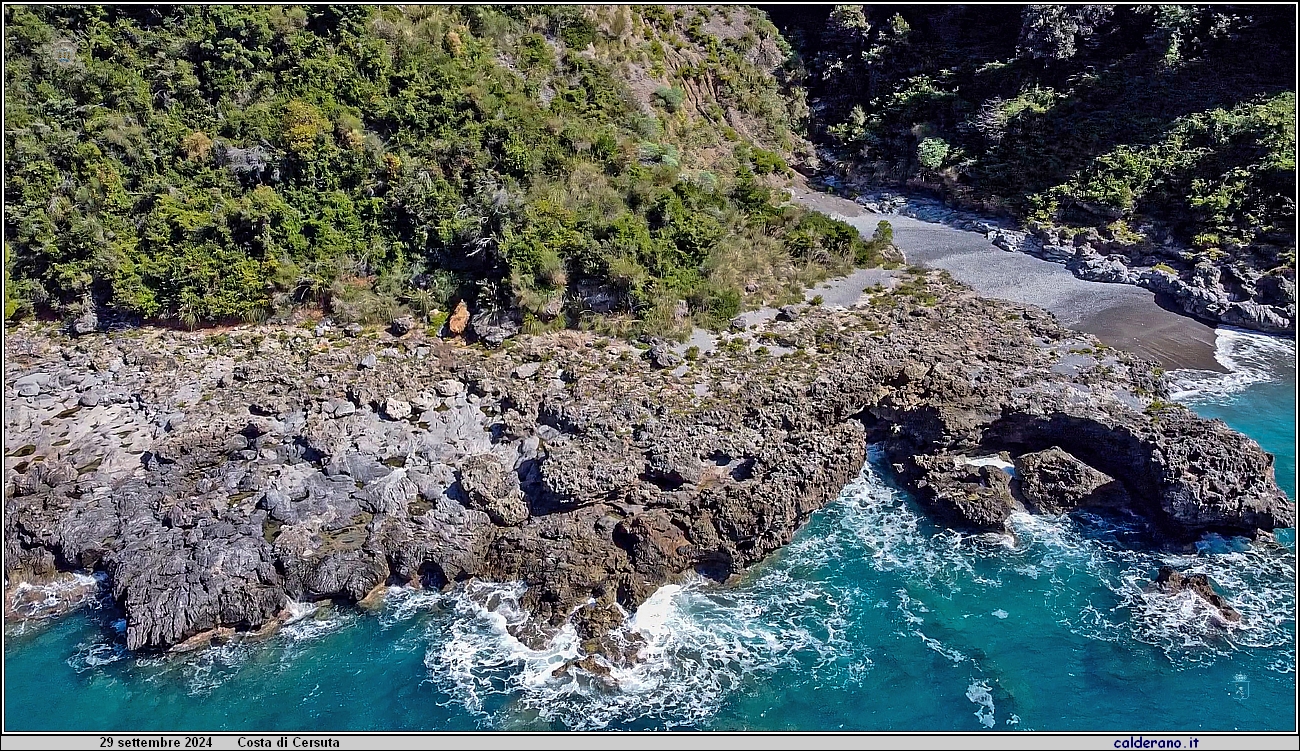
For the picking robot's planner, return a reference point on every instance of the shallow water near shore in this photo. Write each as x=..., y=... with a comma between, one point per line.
x=872, y=619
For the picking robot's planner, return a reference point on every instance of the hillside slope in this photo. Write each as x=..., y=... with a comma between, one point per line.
x=1163, y=137
x=606, y=166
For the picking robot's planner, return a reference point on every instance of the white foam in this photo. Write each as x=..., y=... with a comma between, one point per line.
x=65, y=593
x=703, y=644
x=299, y=610
x=978, y=692
x=1257, y=580
x=1248, y=356
x=992, y=460
x=1077, y=555
x=700, y=645
x=90, y=656
x=320, y=623
x=401, y=604
x=952, y=655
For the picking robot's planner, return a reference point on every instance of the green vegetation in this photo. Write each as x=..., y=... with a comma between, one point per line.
x=1076, y=115
x=12, y=300
x=1229, y=175
x=931, y=153
x=203, y=163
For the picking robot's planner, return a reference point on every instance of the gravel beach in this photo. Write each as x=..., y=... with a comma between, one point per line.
x=1120, y=315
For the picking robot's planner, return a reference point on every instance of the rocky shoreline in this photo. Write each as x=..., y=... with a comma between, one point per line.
x=1238, y=294
x=214, y=477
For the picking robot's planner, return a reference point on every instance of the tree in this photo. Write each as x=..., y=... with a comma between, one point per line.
x=1055, y=32
x=931, y=152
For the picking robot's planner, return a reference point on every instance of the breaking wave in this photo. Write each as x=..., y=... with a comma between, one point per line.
x=706, y=645
x=1248, y=356
x=872, y=606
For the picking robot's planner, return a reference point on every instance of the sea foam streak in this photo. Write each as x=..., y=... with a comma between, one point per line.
x=31, y=601
x=1248, y=356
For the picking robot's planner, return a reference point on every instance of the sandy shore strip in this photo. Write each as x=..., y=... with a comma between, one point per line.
x=1120, y=315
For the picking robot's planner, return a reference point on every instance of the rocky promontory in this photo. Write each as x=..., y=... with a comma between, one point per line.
x=214, y=477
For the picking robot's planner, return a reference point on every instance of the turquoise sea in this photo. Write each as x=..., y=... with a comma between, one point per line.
x=872, y=619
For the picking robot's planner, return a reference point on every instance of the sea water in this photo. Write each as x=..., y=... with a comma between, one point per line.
x=872, y=618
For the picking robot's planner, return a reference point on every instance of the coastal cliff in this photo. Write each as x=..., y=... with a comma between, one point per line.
x=215, y=477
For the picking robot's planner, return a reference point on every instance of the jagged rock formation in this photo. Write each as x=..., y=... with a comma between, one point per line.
x=1055, y=482
x=214, y=476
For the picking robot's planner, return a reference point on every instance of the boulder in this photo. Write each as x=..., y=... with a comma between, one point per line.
x=964, y=495
x=396, y=409
x=1169, y=581
x=1054, y=482
x=86, y=322
x=492, y=327
x=492, y=487
x=449, y=387
x=459, y=319
x=527, y=370
x=31, y=384
x=423, y=401
x=402, y=325
x=662, y=356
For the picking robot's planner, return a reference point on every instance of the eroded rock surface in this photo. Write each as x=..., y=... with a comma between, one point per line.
x=213, y=476
x=1055, y=482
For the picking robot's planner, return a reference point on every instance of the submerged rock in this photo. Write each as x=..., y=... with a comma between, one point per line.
x=1170, y=581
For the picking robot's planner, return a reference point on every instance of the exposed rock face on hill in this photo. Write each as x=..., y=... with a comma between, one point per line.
x=214, y=476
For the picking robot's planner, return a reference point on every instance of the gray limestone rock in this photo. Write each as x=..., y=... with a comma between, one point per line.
x=593, y=489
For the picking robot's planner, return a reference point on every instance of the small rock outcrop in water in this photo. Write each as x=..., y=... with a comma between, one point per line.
x=978, y=497
x=214, y=477
x=1172, y=582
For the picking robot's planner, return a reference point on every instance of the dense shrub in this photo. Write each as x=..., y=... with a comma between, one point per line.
x=931, y=152
x=201, y=163
x=1075, y=114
